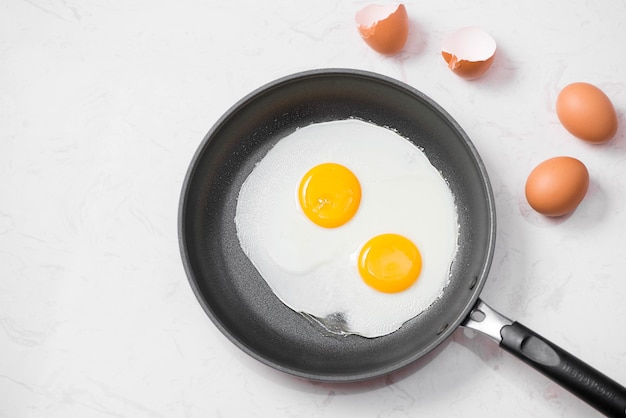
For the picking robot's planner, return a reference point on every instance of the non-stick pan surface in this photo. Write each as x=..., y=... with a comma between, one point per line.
x=229, y=288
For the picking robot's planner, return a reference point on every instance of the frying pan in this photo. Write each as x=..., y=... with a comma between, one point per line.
x=243, y=307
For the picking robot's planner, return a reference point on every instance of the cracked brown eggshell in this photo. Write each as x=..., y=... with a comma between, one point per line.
x=469, y=52
x=385, y=28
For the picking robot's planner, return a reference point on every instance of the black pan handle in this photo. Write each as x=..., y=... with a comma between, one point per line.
x=593, y=387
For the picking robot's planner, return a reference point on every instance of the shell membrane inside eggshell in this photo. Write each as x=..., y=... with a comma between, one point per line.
x=469, y=51
x=385, y=28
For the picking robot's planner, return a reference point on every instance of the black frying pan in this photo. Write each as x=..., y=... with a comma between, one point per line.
x=243, y=307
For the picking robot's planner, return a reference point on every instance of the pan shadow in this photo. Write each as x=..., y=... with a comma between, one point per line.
x=482, y=346
x=497, y=359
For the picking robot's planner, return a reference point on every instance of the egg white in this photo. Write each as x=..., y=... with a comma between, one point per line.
x=313, y=270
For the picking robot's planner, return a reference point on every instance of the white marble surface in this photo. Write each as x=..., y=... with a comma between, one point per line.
x=102, y=105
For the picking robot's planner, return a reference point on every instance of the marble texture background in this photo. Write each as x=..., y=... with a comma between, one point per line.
x=102, y=105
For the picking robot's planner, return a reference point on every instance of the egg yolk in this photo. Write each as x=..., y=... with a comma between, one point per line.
x=390, y=263
x=329, y=195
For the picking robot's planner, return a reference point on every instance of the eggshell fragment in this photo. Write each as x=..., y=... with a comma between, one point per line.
x=469, y=52
x=384, y=28
x=557, y=186
x=587, y=113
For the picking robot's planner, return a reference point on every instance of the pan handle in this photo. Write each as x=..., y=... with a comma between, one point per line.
x=598, y=390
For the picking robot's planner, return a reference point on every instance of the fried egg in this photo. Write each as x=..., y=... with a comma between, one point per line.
x=349, y=223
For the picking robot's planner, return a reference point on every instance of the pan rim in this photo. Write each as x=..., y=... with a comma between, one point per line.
x=324, y=72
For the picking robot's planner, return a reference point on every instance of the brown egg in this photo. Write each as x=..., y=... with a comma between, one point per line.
x=557, y=186
x=469, y=52
x=384, y=28
x=587, y=113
